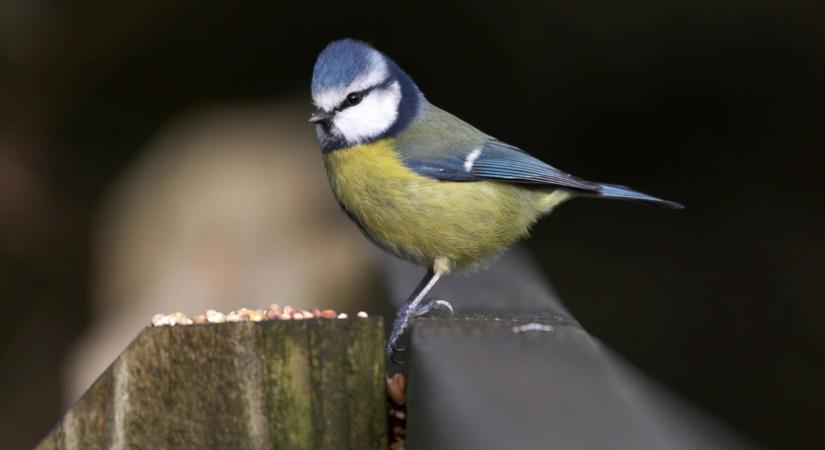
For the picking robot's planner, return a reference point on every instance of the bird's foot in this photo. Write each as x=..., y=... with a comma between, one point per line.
x=432, y=304
x=393, y=352
x=402, y=319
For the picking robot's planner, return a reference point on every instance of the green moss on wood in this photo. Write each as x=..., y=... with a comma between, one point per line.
x=308, y=384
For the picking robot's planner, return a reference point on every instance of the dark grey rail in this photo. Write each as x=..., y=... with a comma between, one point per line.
x=514, y=370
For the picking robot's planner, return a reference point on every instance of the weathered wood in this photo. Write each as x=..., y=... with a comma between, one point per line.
x=302, y=384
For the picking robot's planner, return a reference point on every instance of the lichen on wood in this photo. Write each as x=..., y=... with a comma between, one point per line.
x=301, y=384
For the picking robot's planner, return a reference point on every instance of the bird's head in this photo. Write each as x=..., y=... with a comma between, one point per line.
x=360, y=95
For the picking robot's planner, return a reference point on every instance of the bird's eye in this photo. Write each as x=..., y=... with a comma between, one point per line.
x=353, y=98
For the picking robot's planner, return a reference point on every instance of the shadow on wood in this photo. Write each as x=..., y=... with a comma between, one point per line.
x=298, y=384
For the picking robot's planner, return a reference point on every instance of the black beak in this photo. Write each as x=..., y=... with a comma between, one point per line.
x=320, y=116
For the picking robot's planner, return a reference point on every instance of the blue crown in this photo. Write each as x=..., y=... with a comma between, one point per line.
x=341, y=62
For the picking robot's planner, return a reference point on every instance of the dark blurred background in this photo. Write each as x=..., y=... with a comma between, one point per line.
x=718, y=105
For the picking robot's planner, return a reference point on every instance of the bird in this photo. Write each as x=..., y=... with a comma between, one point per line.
x=423, y=184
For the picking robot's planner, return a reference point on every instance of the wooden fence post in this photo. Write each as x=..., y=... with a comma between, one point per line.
x=296, y=384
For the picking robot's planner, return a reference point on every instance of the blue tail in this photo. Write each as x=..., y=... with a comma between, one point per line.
x=625, y=193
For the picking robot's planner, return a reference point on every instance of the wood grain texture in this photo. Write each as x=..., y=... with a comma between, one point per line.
x=308, y=384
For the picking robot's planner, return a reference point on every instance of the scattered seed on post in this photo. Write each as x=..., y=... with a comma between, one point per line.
x=273, y=312
x=397, y=388
x=213, y=316
x=159, y=320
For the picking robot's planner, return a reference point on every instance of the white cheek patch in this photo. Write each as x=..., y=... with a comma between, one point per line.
x=374, y=115
x=377, y=73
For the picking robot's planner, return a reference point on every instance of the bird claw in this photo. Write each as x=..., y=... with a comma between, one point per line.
x=400, y=324
x=432, y=304
x=392, y=353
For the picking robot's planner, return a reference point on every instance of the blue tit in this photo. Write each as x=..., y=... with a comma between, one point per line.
x=423, y=184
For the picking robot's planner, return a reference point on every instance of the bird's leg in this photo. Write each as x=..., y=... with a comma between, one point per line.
x=410, y=309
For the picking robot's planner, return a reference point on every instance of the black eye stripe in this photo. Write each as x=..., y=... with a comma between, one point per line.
x=363, y=93
x=350, y=101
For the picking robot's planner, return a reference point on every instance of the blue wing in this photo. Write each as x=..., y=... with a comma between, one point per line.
x=494, y=160
x=442, y=146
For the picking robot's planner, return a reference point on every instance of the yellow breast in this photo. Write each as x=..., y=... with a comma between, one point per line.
x=422, y=219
